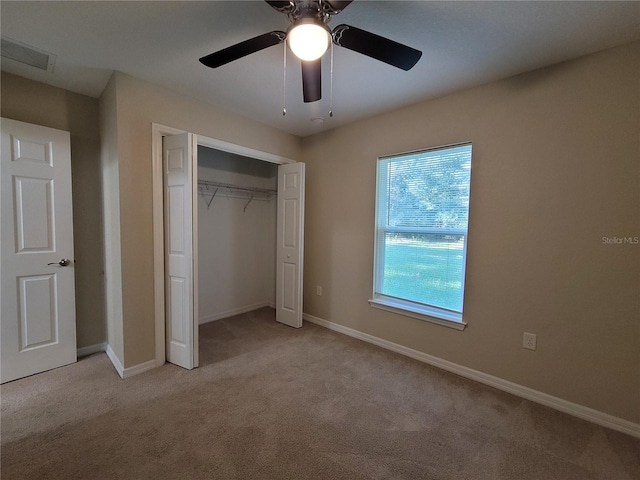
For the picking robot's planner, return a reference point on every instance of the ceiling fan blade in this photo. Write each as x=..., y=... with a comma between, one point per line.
x=333, y=7
x=242, y=49
x=312, y=80
x=282, y=6
x=375, y=46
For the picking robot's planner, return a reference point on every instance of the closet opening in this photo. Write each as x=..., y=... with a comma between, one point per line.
x=228, y=237
x=236, y=238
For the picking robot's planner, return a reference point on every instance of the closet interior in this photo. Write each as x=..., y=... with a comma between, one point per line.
x=237, y=213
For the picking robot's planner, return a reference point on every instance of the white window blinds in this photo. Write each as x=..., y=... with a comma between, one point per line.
x=421, y=227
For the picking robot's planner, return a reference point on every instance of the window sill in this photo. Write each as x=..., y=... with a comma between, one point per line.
x=427, y=314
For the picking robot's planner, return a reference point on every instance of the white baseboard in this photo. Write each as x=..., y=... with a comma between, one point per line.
x=585, y=413
x=129, y=371
x=137, y=369
x=234, y=311
x=91, y=349
x=114, y=360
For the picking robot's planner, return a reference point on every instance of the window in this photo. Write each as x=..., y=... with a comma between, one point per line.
x=422, y=214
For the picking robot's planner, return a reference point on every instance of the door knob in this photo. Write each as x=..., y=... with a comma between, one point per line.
x=65, y=262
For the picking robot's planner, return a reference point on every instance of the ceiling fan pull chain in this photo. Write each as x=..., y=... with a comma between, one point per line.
x=331, y=82
x=284, y=82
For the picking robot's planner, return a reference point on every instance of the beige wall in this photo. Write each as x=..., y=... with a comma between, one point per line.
x=556, y=167
x=34, y=102
x=138, y=105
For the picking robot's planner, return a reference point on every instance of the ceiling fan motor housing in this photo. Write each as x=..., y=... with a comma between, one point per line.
x=310, y=10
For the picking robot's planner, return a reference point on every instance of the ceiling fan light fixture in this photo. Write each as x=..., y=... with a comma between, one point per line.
x=308, y=40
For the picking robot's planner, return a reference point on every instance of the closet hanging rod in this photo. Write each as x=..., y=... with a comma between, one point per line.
x=212, y=184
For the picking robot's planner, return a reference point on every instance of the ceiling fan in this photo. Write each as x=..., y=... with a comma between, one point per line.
x=309, y=37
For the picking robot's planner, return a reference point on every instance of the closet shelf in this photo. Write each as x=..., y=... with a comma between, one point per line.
x=229, y=190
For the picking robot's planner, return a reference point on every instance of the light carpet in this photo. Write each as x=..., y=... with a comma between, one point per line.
x=273, y=402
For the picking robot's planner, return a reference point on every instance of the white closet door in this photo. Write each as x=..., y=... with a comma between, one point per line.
x=290, y=240
x=38, y=282
x=181, y=333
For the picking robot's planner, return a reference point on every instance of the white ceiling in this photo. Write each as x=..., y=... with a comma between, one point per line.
x=463, y=43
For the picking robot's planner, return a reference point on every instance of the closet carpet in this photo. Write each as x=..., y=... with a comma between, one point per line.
x=273, y=402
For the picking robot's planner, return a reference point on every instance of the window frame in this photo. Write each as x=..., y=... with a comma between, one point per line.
x=410, y=308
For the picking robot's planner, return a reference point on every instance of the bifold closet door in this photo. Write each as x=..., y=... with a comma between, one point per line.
x=181, y=331
x=290, y=240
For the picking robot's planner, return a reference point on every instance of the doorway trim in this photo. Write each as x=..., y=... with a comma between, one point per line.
x=157, y=132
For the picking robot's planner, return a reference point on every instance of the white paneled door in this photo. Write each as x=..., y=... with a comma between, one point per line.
x=181, y=300
x=38, y=324
x=290, y=242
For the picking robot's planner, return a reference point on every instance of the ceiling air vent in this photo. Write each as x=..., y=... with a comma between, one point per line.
x=28, y=55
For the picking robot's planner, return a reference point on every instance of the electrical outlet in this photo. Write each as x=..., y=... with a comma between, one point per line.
x=319, y=291
x=529, y=341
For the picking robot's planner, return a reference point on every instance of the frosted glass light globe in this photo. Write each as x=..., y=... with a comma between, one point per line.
x=308, y=41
